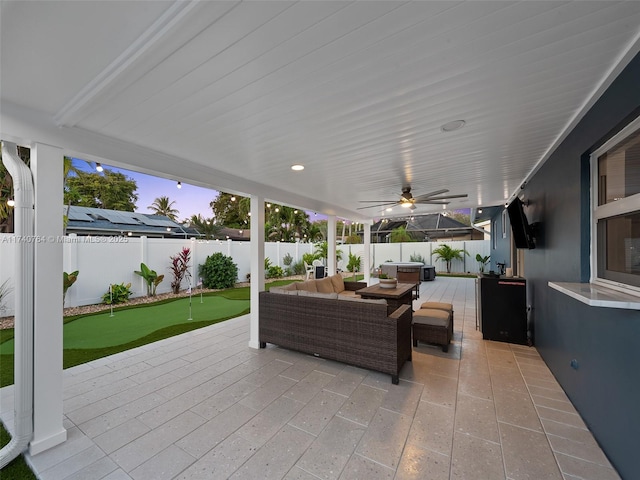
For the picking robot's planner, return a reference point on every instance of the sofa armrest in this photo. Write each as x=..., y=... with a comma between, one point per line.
x=401, y=311
x=353, y=286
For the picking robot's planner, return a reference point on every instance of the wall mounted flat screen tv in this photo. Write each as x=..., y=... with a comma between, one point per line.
x=522, y=231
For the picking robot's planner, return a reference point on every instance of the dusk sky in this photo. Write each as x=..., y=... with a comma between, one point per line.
x=190, y=200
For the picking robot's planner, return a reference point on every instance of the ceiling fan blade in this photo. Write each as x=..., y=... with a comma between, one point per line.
x=446, y=197
x=372, y=201
x=431, y=194
x=379, y=205
x=433, y=202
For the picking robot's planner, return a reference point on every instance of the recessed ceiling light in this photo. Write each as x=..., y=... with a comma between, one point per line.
x=454, y=125
x=389, y=209
x=297, y=167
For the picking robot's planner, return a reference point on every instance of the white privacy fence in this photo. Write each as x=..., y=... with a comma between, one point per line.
x=102, y=261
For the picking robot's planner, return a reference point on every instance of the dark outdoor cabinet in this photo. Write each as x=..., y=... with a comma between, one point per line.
x=503, y=309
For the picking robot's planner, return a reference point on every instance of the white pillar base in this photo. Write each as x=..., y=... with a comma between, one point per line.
x=46, y=443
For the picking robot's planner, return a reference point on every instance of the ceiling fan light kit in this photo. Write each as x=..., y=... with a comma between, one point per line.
x=407, y=200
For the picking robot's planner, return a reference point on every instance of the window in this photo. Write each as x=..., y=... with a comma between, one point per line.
x=615, y=233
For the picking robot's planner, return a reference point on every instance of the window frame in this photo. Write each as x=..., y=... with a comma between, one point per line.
x=608, y=210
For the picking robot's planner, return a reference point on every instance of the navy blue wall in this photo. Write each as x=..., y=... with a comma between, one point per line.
x=606, y=342
x=502, y=251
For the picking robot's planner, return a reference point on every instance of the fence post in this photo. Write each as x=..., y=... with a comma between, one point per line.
x=464, y=257
x=144, y=258
x=70, y=254
x=194, y=270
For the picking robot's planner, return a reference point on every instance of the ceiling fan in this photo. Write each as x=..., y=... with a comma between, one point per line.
x=408, y=200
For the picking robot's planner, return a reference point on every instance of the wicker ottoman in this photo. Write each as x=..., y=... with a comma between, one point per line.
x=431, y=325
x=439, y=306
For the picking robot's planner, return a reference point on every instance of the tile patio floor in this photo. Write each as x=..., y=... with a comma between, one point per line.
x=205, y=406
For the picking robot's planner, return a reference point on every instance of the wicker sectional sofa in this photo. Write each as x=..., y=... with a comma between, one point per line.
x=337, y=325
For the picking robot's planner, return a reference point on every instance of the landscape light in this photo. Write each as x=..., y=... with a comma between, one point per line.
x=11, y=202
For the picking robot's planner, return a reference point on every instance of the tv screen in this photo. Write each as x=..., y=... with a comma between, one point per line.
x=522, y=233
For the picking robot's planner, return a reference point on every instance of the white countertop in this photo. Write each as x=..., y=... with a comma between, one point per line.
x=597, y=295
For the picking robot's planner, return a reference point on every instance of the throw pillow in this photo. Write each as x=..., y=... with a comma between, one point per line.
x=325, y=285
x=308, y=286
x=338, y=283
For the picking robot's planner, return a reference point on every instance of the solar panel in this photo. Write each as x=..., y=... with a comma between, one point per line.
x=75, y=214
x=122, y=218
x=154, y=221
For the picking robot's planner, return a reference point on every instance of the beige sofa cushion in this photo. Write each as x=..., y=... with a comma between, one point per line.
x=291, y=286
x=338, y=283
x=349, y=293
x=378, y=301
x=283, y=291
x=325, y=285
x=304, y=293
x=308, y=286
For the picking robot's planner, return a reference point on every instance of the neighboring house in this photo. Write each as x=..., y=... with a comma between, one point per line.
x=434, y=227
x=101, y=222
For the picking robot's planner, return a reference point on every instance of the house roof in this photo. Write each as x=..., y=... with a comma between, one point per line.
x=98, y=221
x=423, y=223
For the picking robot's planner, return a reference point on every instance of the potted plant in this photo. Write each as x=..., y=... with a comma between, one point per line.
x=386, y=282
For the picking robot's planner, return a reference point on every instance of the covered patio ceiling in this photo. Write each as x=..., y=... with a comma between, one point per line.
x=229, y=95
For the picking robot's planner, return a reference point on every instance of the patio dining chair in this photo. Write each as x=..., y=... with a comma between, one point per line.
x=308, y=270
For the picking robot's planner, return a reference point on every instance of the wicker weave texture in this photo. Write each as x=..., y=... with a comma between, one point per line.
x=359, y=334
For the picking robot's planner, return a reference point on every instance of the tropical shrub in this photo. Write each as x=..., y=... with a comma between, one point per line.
x=297, y=268
x=322, y=251
x=272, y=271
x=287, y=260
x=353, y=239
x=180, y=268
x=151, y=277
x=5, y=290
x=400, y=235
x=446, y=253
x=354, y=263
x=118, y=293
x=68, y=279
x=308, y=258
x=482, y=261
x=218, y=271
x=416, y=257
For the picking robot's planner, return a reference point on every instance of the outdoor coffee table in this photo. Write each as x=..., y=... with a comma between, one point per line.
x=401, y=295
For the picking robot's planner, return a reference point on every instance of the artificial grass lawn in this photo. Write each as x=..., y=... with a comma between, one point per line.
x=102, y=330
x=87, y=349
x=17, y=469
x=76, y=356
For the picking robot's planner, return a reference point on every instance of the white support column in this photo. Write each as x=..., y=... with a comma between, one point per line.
x=257, y=266
x=331, y=244
x=367, y=251
x=46, y=164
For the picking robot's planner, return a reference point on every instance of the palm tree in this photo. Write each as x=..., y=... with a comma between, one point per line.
x=400, y=234
x=163, y=206
x=205, y=226
x=446, y=253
